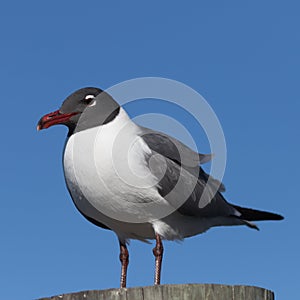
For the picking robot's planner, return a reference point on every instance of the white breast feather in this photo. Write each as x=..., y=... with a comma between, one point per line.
x=106, y=166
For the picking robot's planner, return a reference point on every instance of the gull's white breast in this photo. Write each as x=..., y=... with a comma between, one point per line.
x=106, y=167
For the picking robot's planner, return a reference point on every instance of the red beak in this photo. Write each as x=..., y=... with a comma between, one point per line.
x=54, y=118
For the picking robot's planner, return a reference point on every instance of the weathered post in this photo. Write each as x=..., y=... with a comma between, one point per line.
x=174, y=292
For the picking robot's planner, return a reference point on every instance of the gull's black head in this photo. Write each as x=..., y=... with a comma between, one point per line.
x=79, y=100
x=83, y=109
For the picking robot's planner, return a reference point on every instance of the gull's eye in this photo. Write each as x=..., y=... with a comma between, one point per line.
x=88, y=99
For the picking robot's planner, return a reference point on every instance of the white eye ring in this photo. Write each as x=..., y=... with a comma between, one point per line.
x=88, y=97
x=93, y=103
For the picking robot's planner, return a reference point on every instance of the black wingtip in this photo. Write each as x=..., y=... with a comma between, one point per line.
x=251, y=225
x=279, y=217
x=250, y=214
x=273, y=217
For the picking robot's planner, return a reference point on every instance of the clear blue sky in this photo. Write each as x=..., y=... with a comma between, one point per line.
x=242, y=57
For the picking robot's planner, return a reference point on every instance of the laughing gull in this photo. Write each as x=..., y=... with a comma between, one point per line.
x=140, y=183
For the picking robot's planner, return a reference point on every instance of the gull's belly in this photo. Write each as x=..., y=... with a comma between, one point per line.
x=112, y=176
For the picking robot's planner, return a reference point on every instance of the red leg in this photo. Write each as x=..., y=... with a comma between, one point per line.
x=158, y=251
x=124, y=258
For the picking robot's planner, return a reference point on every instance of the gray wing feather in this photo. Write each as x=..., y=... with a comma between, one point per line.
x=172, y=148
x=183, y=190
x=179, y=153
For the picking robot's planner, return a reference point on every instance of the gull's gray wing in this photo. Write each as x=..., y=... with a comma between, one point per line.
x=184, y=189
x=172, y=148
x=179, y=153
